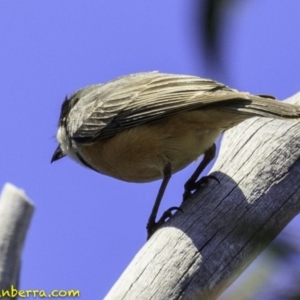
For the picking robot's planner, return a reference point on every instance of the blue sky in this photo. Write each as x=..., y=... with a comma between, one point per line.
x=87, y=227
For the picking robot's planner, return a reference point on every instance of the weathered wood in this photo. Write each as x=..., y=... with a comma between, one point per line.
x=198, y=254
x=15, y=214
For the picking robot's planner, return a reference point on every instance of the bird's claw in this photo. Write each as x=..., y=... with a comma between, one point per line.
x=190, y=186
x=153, y=226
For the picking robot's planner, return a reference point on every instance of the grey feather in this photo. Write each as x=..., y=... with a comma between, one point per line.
x=129, y=101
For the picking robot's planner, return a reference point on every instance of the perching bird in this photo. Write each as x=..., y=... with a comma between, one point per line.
x=147, y=126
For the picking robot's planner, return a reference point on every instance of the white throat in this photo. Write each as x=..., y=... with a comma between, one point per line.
x=65, y=143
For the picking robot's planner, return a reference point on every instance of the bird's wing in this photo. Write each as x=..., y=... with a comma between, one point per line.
x=101, y=111
x=104, y=110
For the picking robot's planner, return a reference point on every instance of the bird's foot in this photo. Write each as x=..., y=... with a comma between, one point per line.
x=152, y=226
x=191, y=187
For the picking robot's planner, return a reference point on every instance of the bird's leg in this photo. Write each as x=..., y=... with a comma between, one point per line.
x=152, y=225
x=192, y=183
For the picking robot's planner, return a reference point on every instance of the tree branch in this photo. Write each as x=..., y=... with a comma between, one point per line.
x=199, y=253
x=15, y=214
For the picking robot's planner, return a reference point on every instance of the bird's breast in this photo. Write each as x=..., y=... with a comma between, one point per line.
x=139, y=154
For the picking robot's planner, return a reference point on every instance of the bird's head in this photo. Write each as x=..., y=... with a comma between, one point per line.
x=64, y=145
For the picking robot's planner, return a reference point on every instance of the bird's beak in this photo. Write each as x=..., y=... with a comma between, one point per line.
x=58, y=154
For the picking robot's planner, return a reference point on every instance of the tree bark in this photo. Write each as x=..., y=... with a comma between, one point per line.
x=15, y=214
x=199, y=253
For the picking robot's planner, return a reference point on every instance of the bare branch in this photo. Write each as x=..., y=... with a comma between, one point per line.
x=15, y=214
x=199, y=253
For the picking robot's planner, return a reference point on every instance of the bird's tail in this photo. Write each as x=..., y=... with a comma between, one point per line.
x=261, y=106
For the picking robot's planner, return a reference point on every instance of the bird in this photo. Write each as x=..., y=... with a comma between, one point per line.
x=147, y=126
